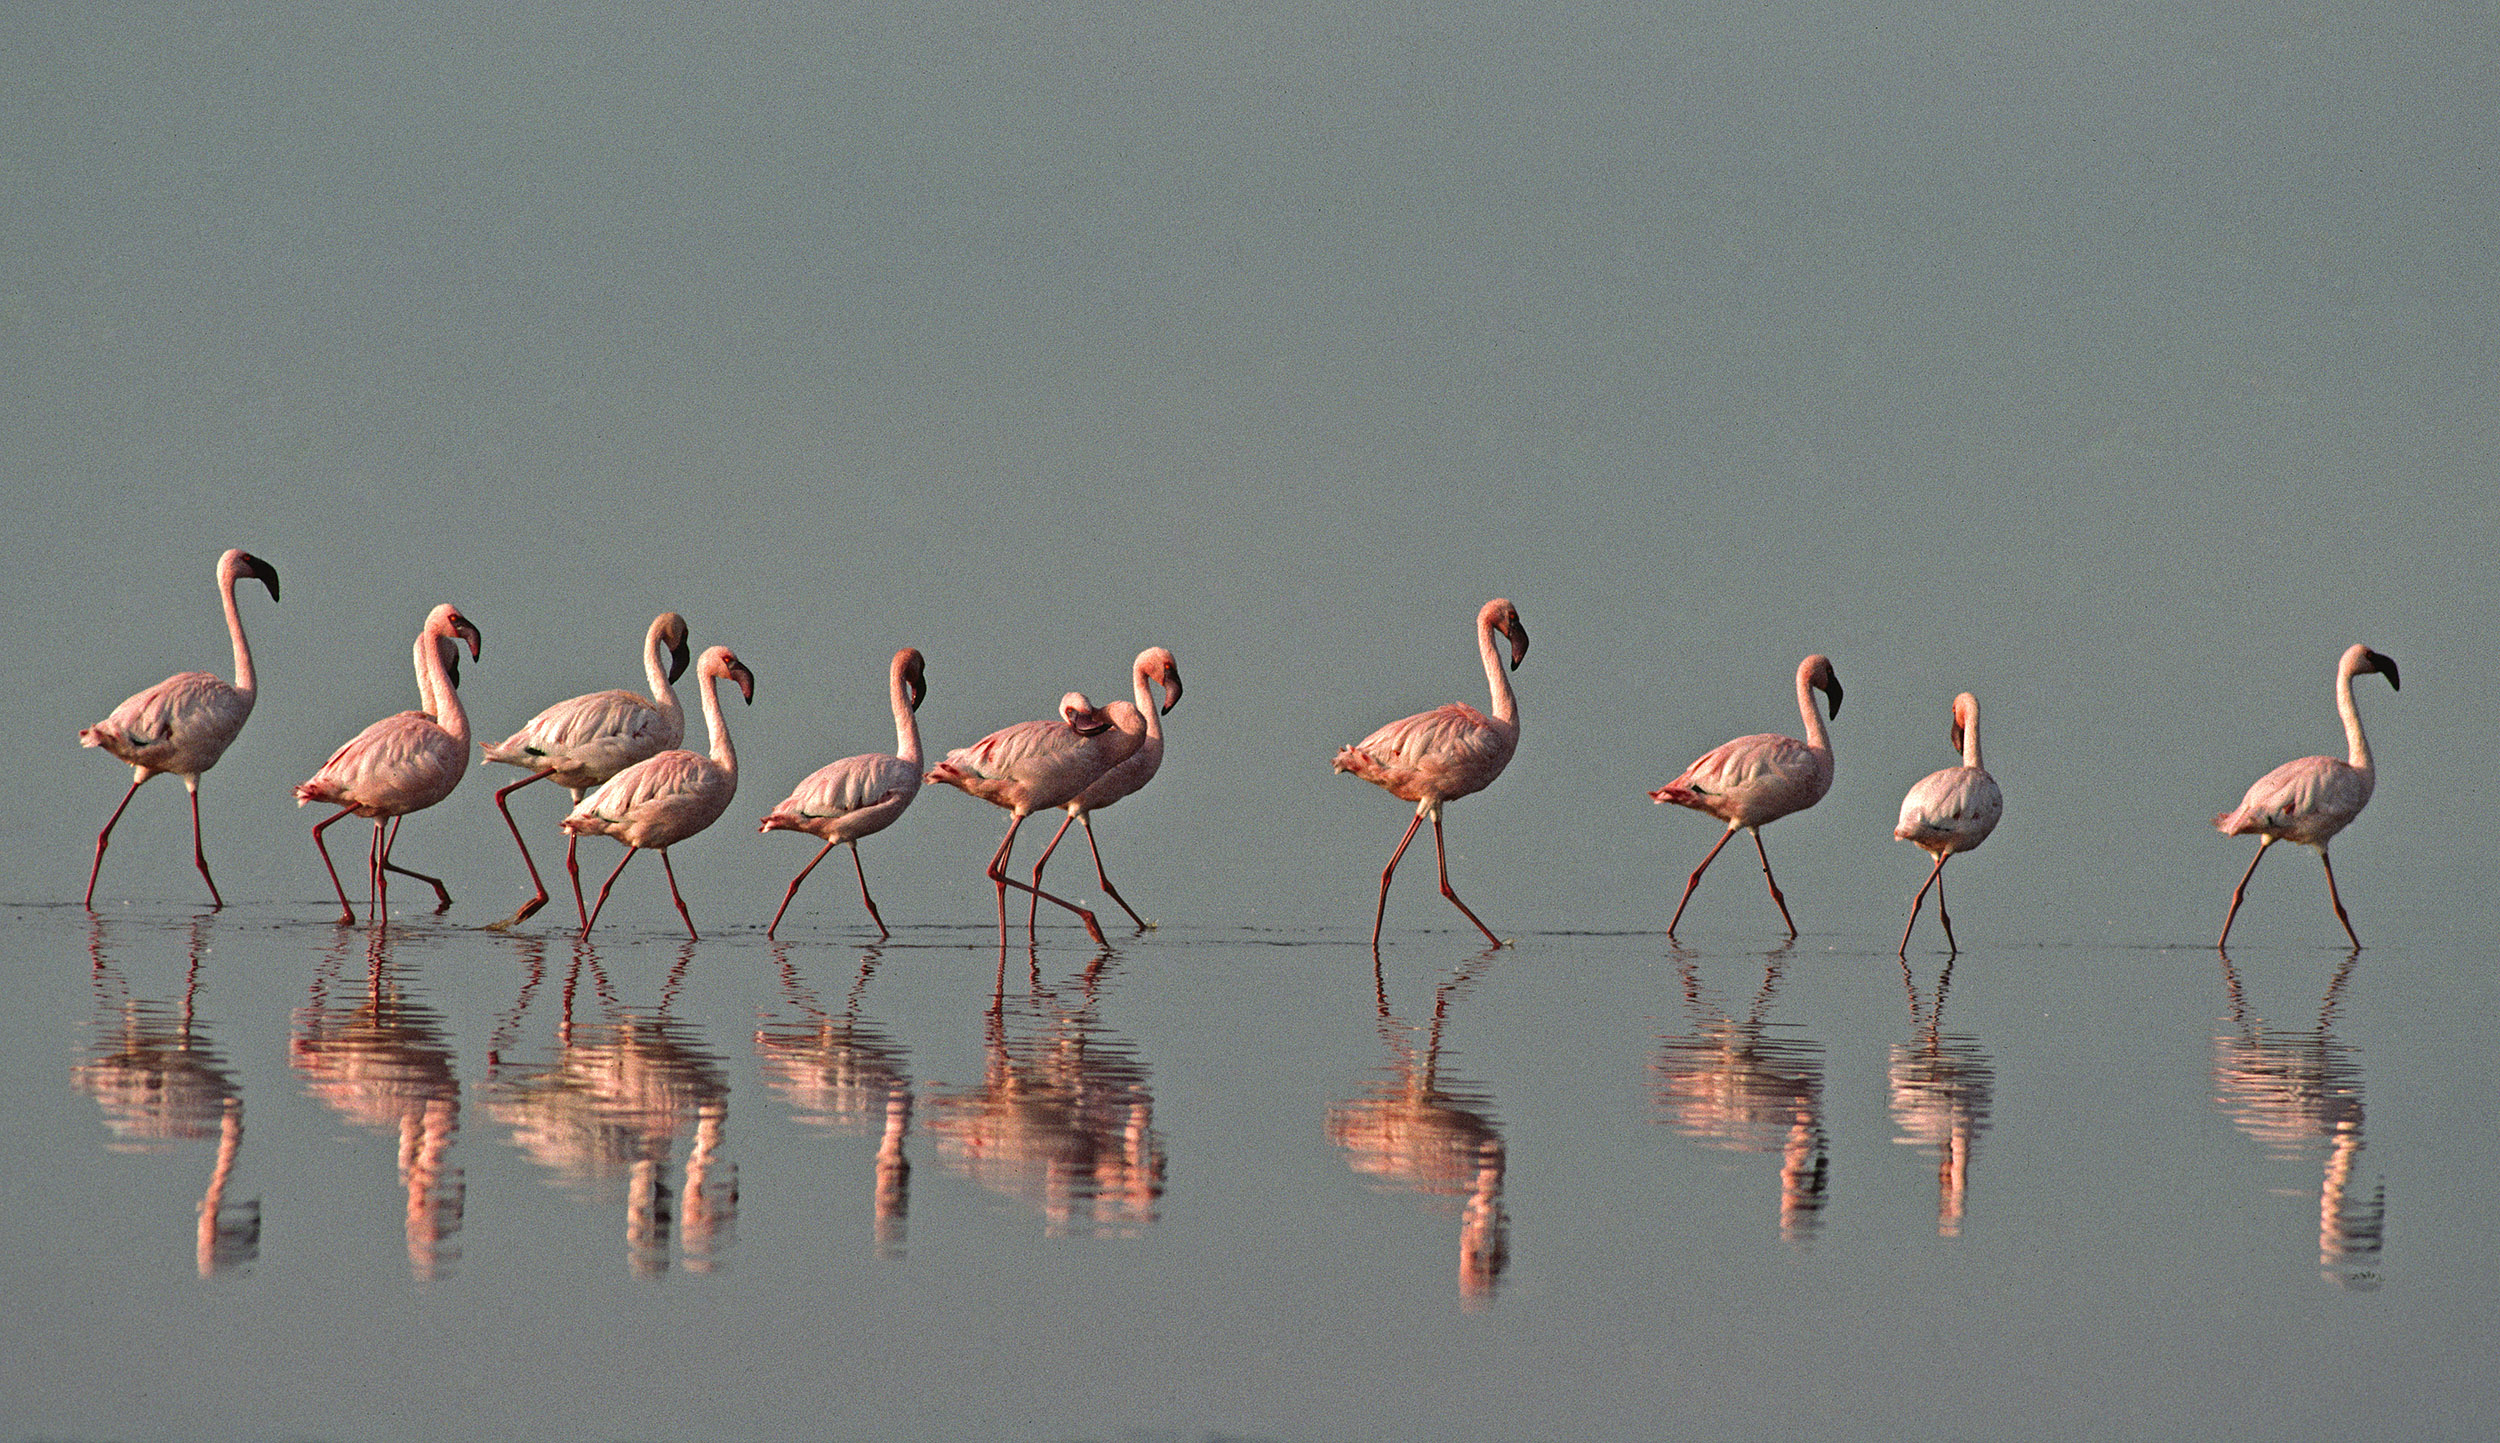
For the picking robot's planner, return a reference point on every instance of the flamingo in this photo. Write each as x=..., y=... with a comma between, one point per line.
x=1441, y=755
x=585, y=741
x=1035, y=766
x=860, y=796
x=662, y=800
x=403, y=763
x=184, y=723
x=1154, y=664
x=2310, y=800
x=1754, y=781
x=1950, y=811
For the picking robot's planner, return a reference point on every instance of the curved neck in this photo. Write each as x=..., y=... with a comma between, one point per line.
x=655, y=671
x=1140, y=679
x=716, y=723
x=435, y=693
x=2357, y=744
x=1817, y=736
x=244, y=680
x=1505, y=702
x=1970, y=738
x=906, y=724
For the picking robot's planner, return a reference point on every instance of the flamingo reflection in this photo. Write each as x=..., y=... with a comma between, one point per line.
x=2298, y=1094
x=1062, y=1117
x=606, y=1110
x=160, y=1084
x=1942, y=1090
x=1730, y=1084
x=381, y=1062
x=1422, y=1131
x=841, y=1073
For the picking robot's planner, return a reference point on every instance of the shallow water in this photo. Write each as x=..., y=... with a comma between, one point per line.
x=283, y=1178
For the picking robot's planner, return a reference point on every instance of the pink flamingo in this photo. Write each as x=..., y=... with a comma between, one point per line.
x=1441, y=755
x=2310, y=800
x=1753, y=781
x=661, y=801
x=1154, y=664
x=1950, y=811
x=860, y=796
x=184, y=723
x=403, y=763
x=583, y=742
x=1034, y=766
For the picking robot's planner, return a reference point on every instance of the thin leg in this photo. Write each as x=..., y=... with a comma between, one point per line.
x=1035, y=908
x=1105, y=878
x=998, y=874
x=794, y=888
x=1952, y=948
x=105, y=836
x=199, y=854
x=347, y=914
x=573, y=868
x=1919, y=901
x=537, y=886
x=1442, y=862
x=672, y=896
x=2338, y=901
x=603, y=889
x=442, y=894
x=1778, y=900
x=871, y=902
x=377, y=885
x=1390, y=871
x=2242, y=890
x=1695, y=880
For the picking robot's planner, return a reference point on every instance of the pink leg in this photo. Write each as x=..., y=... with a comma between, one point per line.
x=1442, y=861
x=347, y=914
x=1382, y=911
x=106, y=835
x=672, y=896
x=1776, y=899
x=199, y=854
x=573, y=867
x=441, y=893
x=603, y=889
x=801, y=877
x=1695, y=880
x=863, y=893
x=2241, y=891
x=2337, y=900
x=1952, y=947
x=1105, y=878
x=1920, y=901
x=998, y=874
x=537, y=886
x=1034, y=910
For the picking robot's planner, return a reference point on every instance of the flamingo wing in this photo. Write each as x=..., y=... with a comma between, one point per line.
x=1752, y=780
x=402, y=763
x=2306, y=801
x=657, y=802
x=837, y=801
x=591, y=738
x=1952, y=810
x=182, y=724
x=1445, y=753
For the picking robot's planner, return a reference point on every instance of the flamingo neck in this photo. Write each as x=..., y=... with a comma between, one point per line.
x=906, y=722
x=1970, y=741
x=1139, y=681
x=435, y=693
x=718, y=724
x=1505, y=701
x=2357, y=744
x=244, y=680
x=1818, y=736
x=655, y=671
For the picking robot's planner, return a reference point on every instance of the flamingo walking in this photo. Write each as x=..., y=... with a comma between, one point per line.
x=401, y=764
x=1438, y=756
x=1035, y=766
x=1950, y=811
x=860, y=796
x=662, y=800
x=2310, y=800
x=184, y=723
x=1153, y=665
x=1754, y=781
x=583, y=742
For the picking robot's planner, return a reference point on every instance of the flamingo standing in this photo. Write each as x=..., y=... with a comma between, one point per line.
x=1753, y=781
x=859, y=796
x=403, y=763
x=1034, y=766
x=661, y=801
x=184, y=723
x=2310, y=800
x=1950, y=811
x=1441, y=755
x=1154, y=664
x=583, y=742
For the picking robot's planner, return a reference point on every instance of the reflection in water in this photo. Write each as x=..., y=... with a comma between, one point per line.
x=381, y=1062
x=1942, y=1087
x=160, y=1084
x=841, y=1073
x=1423, y=1131
x=1728, y=1084
x=1062, y=1117
x=2299, y=1094
x=608, y=1106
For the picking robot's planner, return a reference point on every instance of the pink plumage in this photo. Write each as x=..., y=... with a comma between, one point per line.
x=184, y=723
x=662, y=800
x=1035, y=766
x=1950, y=811
x=860, y=796
x=1438, y=756
x=2308, y=801
x=1154, y=666
x=1754, y=781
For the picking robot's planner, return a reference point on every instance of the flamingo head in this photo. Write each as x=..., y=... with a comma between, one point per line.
x=1499, y=615
x=720, y=661
x=1156, y=664
x=670, y=629
x=1818, y=673
x=239, y=563
x=913, y=670
x=2367, y=661
x=1082, y=716
x=1965, y=716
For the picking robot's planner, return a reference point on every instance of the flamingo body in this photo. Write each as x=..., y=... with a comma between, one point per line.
x=1950, y=811
x=2310, y=800
x=1035, y=766
x=859, y=796
x=1453, y=751
x=1754, y=781
x=662, y=800
x=1154, y=666
x=184, y=723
